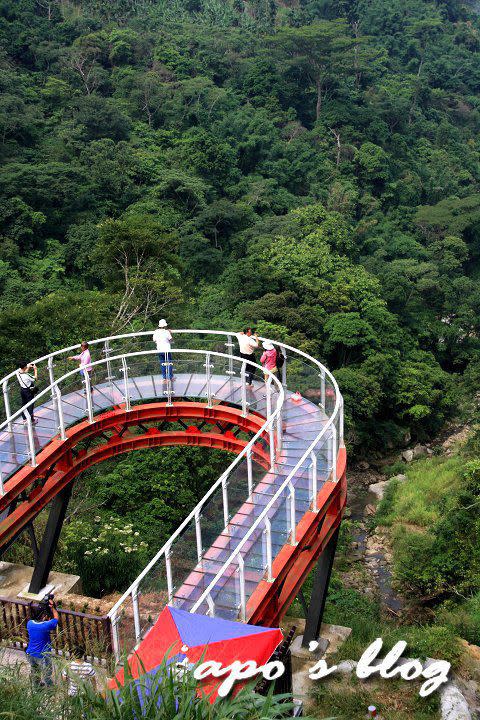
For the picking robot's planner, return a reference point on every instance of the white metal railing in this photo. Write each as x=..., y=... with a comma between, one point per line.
x=7, y=431
x=263, y=522
x=273, y=418
x=300, y=371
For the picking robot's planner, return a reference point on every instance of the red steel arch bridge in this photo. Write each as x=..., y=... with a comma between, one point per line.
x=245, y=550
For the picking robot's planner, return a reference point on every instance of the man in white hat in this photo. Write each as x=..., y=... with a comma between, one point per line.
x=248, y=343
x=163, y=339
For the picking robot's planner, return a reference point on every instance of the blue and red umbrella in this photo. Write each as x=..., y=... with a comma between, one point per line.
x=180, y=636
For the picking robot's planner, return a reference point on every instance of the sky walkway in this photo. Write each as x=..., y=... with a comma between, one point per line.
x=246, y=548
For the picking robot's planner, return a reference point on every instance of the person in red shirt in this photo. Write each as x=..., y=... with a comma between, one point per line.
x=269, y=358
x=84, y=359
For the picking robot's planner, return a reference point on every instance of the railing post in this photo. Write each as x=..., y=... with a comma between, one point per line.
x=225, y=500
x=279, y=431
x=249, y=471
x=107, y=351
x=268, y=398
x=271, y=432
x=211, y=606
x=271, y=442
x=125, y=384
x=268, y=548
x=322, y=388
x=51, y=377
x=208, y=377
x=6, y=402
x=115, y=637
x=136, y=615
x=293, y=519
x=61, y=420
x=31, y=441
x=2, y=489
x=244, y=388
x=198, y=535
x=314, y=481
x=334, y=453
x=88, y=395
x=341, y=421
x=241, y=578
x=284, y=368
x=168, y=568
x=230, y=345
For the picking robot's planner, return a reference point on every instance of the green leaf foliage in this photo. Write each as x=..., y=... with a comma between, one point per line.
x=310, y=168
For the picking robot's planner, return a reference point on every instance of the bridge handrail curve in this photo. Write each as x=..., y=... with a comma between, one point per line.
x=338, y=410
x=189, y=331
x=279, y=404
x=235, y=553
x=335, y=414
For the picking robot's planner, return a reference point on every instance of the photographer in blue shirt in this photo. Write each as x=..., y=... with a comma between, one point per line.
x=44, y=619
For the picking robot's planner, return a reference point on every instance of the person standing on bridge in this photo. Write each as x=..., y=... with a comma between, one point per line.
x=163, y=339
x=27, y=386
x=84, y=359
x=44, y=619
x=248, y=343
x=269, y=358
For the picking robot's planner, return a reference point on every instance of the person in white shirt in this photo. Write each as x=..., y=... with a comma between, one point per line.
x=163, y=339
x=27, y=380
x=248, y=343
x=79, y=671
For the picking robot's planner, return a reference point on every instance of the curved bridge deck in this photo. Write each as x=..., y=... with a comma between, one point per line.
x=305, y=419
x=245, y=550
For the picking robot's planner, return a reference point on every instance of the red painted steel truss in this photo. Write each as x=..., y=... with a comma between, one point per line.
x=271, y=600
x=32, y=488
x=115, y=432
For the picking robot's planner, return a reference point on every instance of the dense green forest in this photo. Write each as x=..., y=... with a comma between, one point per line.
x=307, y=166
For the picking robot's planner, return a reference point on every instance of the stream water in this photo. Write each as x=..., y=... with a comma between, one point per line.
x=378, y=567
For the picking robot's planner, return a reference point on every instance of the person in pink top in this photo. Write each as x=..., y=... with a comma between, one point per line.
x=269, y=358
x=84, y=359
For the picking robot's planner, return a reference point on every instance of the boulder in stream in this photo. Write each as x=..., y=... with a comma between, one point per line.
x=419, y=451
x=378, y=489
x=453, y=704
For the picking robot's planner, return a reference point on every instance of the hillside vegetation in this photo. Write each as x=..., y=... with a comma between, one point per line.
x=434, y=523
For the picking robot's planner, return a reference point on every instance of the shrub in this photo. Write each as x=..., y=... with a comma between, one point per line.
x=168, y=696
x=414, y=563
x=397, y=468
x=463, y=618
x=385, y=510
x=106, y=555
x=472, y=446
x=349, y=607
x=434, y=641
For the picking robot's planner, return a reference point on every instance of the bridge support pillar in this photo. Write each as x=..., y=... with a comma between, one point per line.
x=321, y=582
x=46, y=551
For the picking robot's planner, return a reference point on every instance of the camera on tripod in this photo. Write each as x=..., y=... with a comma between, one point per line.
x=45, y=604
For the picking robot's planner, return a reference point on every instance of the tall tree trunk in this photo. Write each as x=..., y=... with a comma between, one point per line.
x=356, y=32
x=336, y=135
x=319, y=85
x=416, y=93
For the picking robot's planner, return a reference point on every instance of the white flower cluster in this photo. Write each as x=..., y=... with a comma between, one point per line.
x=106, y=534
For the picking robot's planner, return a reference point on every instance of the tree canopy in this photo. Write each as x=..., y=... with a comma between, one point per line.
x=308, y=167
